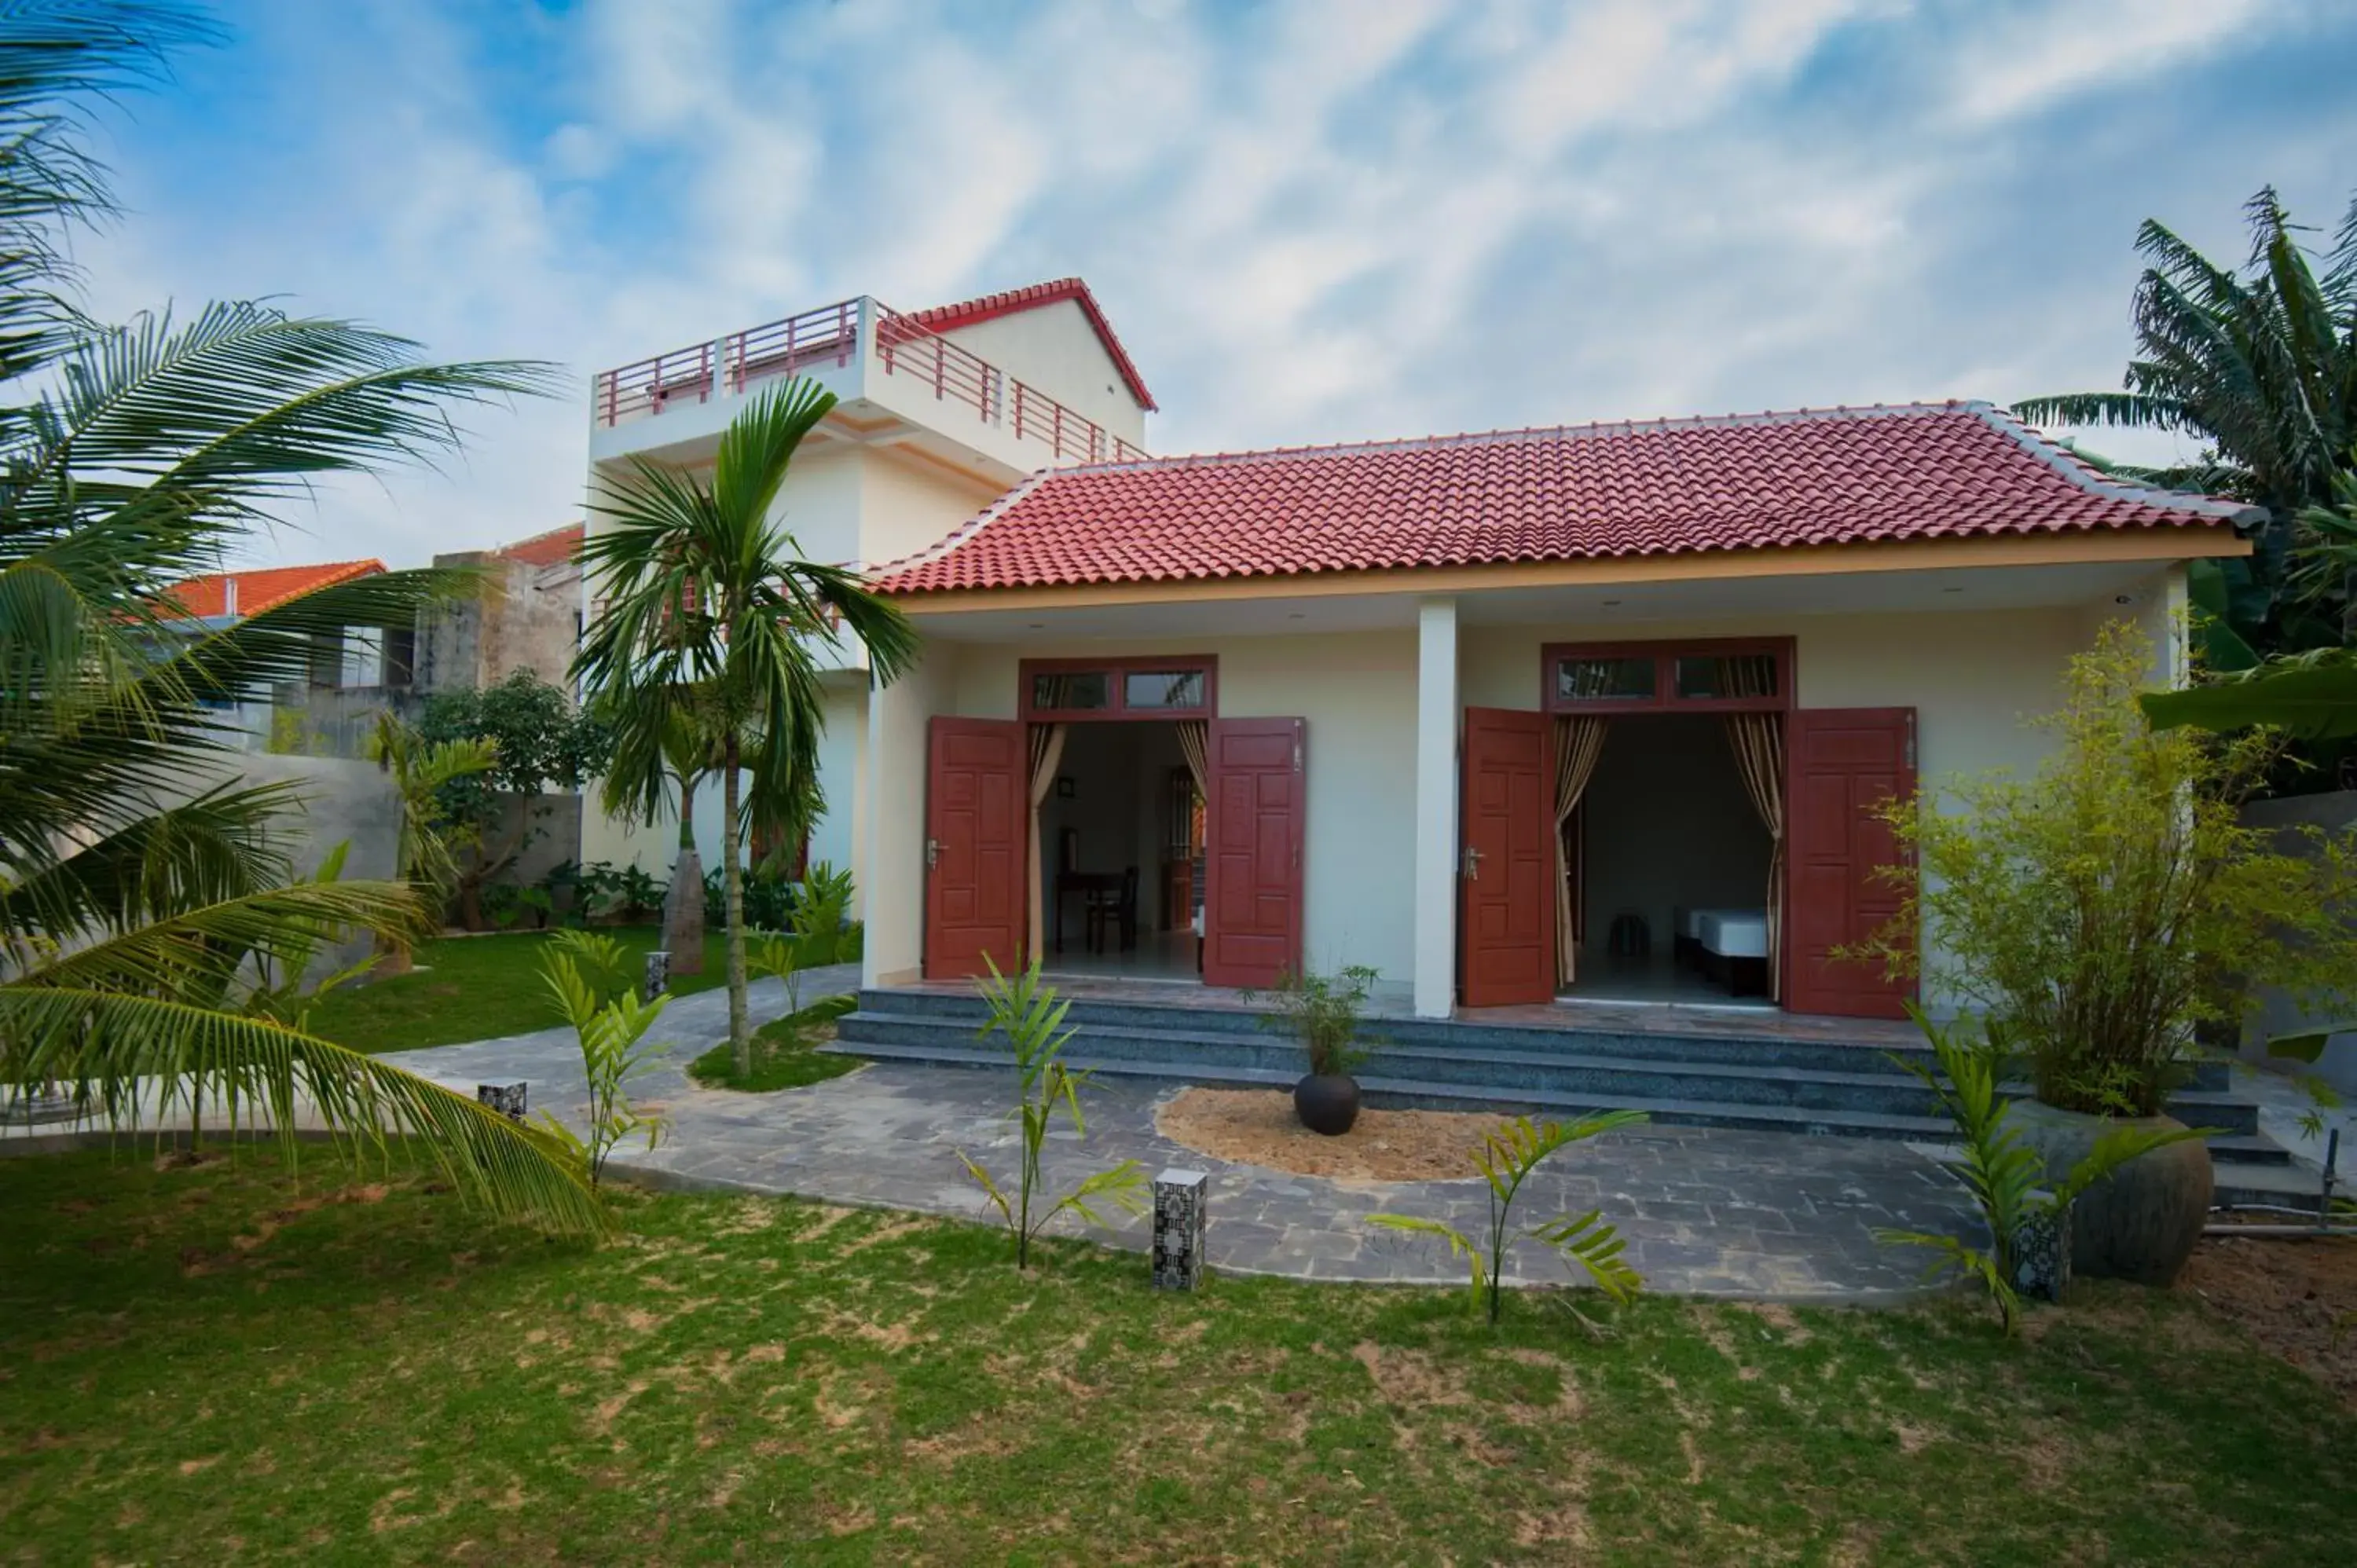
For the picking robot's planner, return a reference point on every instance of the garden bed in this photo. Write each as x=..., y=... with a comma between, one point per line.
x=1257, y=1127
x=2295, y=1295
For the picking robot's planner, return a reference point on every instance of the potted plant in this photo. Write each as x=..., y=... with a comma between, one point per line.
x=2101, y=910
x=1322, y=1010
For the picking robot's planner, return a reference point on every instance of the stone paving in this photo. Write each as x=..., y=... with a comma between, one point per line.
x=1707, y=1211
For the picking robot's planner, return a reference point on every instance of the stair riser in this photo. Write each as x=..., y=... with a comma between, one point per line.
x=1666, y=1081
x=1210, y=1024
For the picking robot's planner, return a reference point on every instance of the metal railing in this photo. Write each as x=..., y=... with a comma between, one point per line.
x=904, y=347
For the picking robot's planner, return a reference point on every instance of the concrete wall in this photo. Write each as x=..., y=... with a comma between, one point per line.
x=1670, y=827
x=1055, y=350
x=525, y=619
x=908, y=504
x=2275, y=1014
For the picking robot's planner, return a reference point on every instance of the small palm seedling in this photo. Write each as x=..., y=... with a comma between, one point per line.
x=2008, y=1182
x=587, y=973
x=1505, y=1160
x=1031, y=1018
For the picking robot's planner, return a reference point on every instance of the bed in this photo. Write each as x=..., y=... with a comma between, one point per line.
x=1729, y=946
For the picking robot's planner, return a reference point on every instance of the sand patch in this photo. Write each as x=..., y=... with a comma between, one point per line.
x=1257, y=1127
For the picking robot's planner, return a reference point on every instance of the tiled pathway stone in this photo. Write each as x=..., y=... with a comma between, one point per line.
x=1707, y=1211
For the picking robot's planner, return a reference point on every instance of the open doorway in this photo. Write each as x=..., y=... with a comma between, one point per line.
x=1672, y=869
x=1120, y=843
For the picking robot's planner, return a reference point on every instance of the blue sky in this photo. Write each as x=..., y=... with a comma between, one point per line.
x=1310, y=222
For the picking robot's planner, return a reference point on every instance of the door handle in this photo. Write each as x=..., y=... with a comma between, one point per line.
x=1472, y=864
x=933, y=852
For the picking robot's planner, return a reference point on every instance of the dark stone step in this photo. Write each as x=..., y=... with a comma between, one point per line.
x=1499, y=1074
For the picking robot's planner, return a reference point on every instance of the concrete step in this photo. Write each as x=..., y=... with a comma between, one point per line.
x=1492, y=1074
x=1653, y=1047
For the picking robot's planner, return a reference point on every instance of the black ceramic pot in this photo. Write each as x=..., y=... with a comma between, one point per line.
x=1326, y=1103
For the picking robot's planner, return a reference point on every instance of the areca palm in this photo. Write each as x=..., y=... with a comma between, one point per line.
x=709, y=618
x=2262, y=363
x=137, y=904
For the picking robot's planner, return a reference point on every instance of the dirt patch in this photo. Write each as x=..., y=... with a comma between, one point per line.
x=1257, y=1127
x=1408, y=1377
x=2296, y=1296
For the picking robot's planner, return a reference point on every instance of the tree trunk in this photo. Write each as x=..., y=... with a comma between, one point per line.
x=732, y=872
x=683, y=903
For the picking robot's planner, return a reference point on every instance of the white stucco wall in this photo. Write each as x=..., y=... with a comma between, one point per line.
x=906, y=504
x=1055, y=350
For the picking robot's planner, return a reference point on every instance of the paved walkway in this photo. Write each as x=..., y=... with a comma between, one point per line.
x=1706, y=1212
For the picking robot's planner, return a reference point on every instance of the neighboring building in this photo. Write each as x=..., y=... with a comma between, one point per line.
x=529, y=616
x=357, y=670
x=939, y=411
x=1595, y=711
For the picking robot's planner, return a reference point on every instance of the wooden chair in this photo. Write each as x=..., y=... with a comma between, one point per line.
x=1116, y=907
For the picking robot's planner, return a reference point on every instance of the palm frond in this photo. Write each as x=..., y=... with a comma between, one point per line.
x=113, y=1046
x=217, y=845
x=200, y=947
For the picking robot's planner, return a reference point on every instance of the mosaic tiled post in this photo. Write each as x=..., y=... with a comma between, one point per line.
x=507, y=1099
x=2041, y=1255
x=658, y=976
x=1179, y=1202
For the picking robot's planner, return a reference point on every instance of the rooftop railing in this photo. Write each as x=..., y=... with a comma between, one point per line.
x=904, y=349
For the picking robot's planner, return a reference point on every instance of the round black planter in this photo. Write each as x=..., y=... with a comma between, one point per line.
x=1327, y=1103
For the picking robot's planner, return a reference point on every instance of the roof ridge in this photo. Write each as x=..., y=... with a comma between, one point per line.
x=2076, y=469
x=1590, y=430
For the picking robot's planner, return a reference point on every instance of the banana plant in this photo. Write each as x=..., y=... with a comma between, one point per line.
x=1506, y=1159
x=1032, y=1018
x=2008, y=1181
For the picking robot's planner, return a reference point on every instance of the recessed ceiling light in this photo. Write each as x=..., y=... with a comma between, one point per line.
x=1296, y=614
x=1611, y=603
x=1037, y=626
x=1952, y=590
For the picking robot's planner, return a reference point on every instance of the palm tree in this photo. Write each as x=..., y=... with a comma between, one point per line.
x=709, y=614
x=426, y=848
x=688, y=754
x=135, y=914
x=2262, y=365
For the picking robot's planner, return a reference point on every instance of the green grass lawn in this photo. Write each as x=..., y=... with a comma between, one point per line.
x=784, y=1052
x=215, y=1363
x=478, y=988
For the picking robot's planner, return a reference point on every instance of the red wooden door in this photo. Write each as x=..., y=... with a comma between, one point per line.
x=976, y=822
x=1506, y=932
x=1252, y=904
x=1844, y=762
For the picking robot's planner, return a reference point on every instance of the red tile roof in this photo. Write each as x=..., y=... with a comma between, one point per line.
x=553, y=548
x=965, y=312
x=208, y=596
x=1919, y=471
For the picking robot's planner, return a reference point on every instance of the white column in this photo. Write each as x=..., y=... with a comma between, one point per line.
x=892, y=820
x=1437, y=717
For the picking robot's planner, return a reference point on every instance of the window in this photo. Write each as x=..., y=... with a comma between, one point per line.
x=1176, y=689
x=1712, y=676
x=1118, y=688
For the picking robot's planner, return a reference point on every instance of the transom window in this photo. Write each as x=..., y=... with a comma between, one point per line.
x=1717, y=676
x=1071, y=689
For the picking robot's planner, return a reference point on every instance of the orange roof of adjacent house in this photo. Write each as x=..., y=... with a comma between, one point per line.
x=1856, y=476
x=553, y=548
x=250, y=592
x=966, y=312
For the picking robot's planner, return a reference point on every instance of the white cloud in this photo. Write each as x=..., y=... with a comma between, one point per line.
x=1348, y=220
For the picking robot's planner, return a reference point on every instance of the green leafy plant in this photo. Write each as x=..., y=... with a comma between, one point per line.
x=589, y=973
x=2114, y=902
x=541, y=743
x=1029, y=1015
x=431, y=840
x=2008, y=1182
x=1506, y=1159
x=813, y=938
x=140, y=457
x=1322, y=1012
x=706, y=608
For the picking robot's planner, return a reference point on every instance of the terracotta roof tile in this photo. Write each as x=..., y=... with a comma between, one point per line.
x=1917, y=471
x=553, y=548
x=966, y=312
x=208, y=596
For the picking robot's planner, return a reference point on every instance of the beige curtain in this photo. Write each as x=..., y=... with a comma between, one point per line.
x=1046, y=745
x=1578, y=742
x=1759, y=743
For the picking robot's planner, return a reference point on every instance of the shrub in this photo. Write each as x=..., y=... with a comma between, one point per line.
x=2105, y=907
x=1322, y=1012
x=589, y=973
